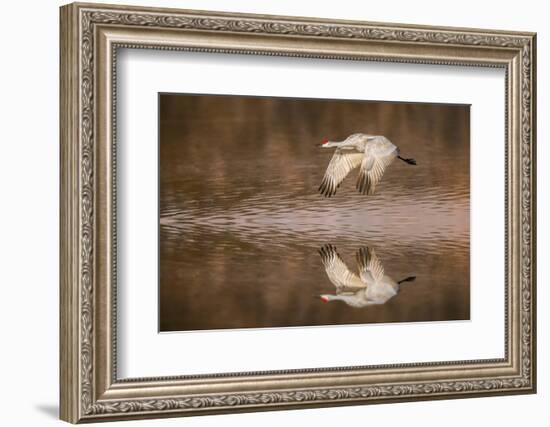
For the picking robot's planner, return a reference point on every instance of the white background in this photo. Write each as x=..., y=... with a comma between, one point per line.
x=145, y=353
x=29, y=171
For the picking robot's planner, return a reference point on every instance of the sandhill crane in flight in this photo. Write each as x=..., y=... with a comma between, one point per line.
x=371, y=287
x=371, y=153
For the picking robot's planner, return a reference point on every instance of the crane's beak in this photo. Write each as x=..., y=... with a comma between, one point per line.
x=323, y=142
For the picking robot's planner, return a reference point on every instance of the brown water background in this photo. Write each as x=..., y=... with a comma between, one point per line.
x=241, y=220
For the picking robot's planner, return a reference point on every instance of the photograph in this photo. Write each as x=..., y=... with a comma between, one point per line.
x=292, y=212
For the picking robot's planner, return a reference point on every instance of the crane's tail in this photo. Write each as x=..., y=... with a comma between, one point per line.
x=407, y=279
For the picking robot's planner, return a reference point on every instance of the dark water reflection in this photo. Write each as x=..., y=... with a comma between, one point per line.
x=241, y=220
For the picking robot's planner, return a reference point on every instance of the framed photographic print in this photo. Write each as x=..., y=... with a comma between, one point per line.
x=264, y=212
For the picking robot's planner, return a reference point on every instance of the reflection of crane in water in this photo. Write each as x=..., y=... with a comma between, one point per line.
x=372, y=286
x=372, y=153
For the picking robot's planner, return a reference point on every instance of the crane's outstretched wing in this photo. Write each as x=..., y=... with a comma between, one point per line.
x=377, y=159
x=341, y=164
x=371, y=269
x=337, y=270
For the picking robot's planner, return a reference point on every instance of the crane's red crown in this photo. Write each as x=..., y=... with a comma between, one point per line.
x=324, y=141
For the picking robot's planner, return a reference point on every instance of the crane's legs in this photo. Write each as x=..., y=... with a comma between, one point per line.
x=409, y=161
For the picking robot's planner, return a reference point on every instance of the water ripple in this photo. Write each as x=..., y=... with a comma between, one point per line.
x=426, y=218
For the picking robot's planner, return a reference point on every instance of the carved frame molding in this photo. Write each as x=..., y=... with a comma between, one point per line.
x=90, y=37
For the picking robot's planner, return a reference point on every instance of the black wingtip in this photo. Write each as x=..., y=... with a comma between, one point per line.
x=327, y=251
x=325, y=189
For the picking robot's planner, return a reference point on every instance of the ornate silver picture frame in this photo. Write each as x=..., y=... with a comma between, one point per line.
x=91, y=35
